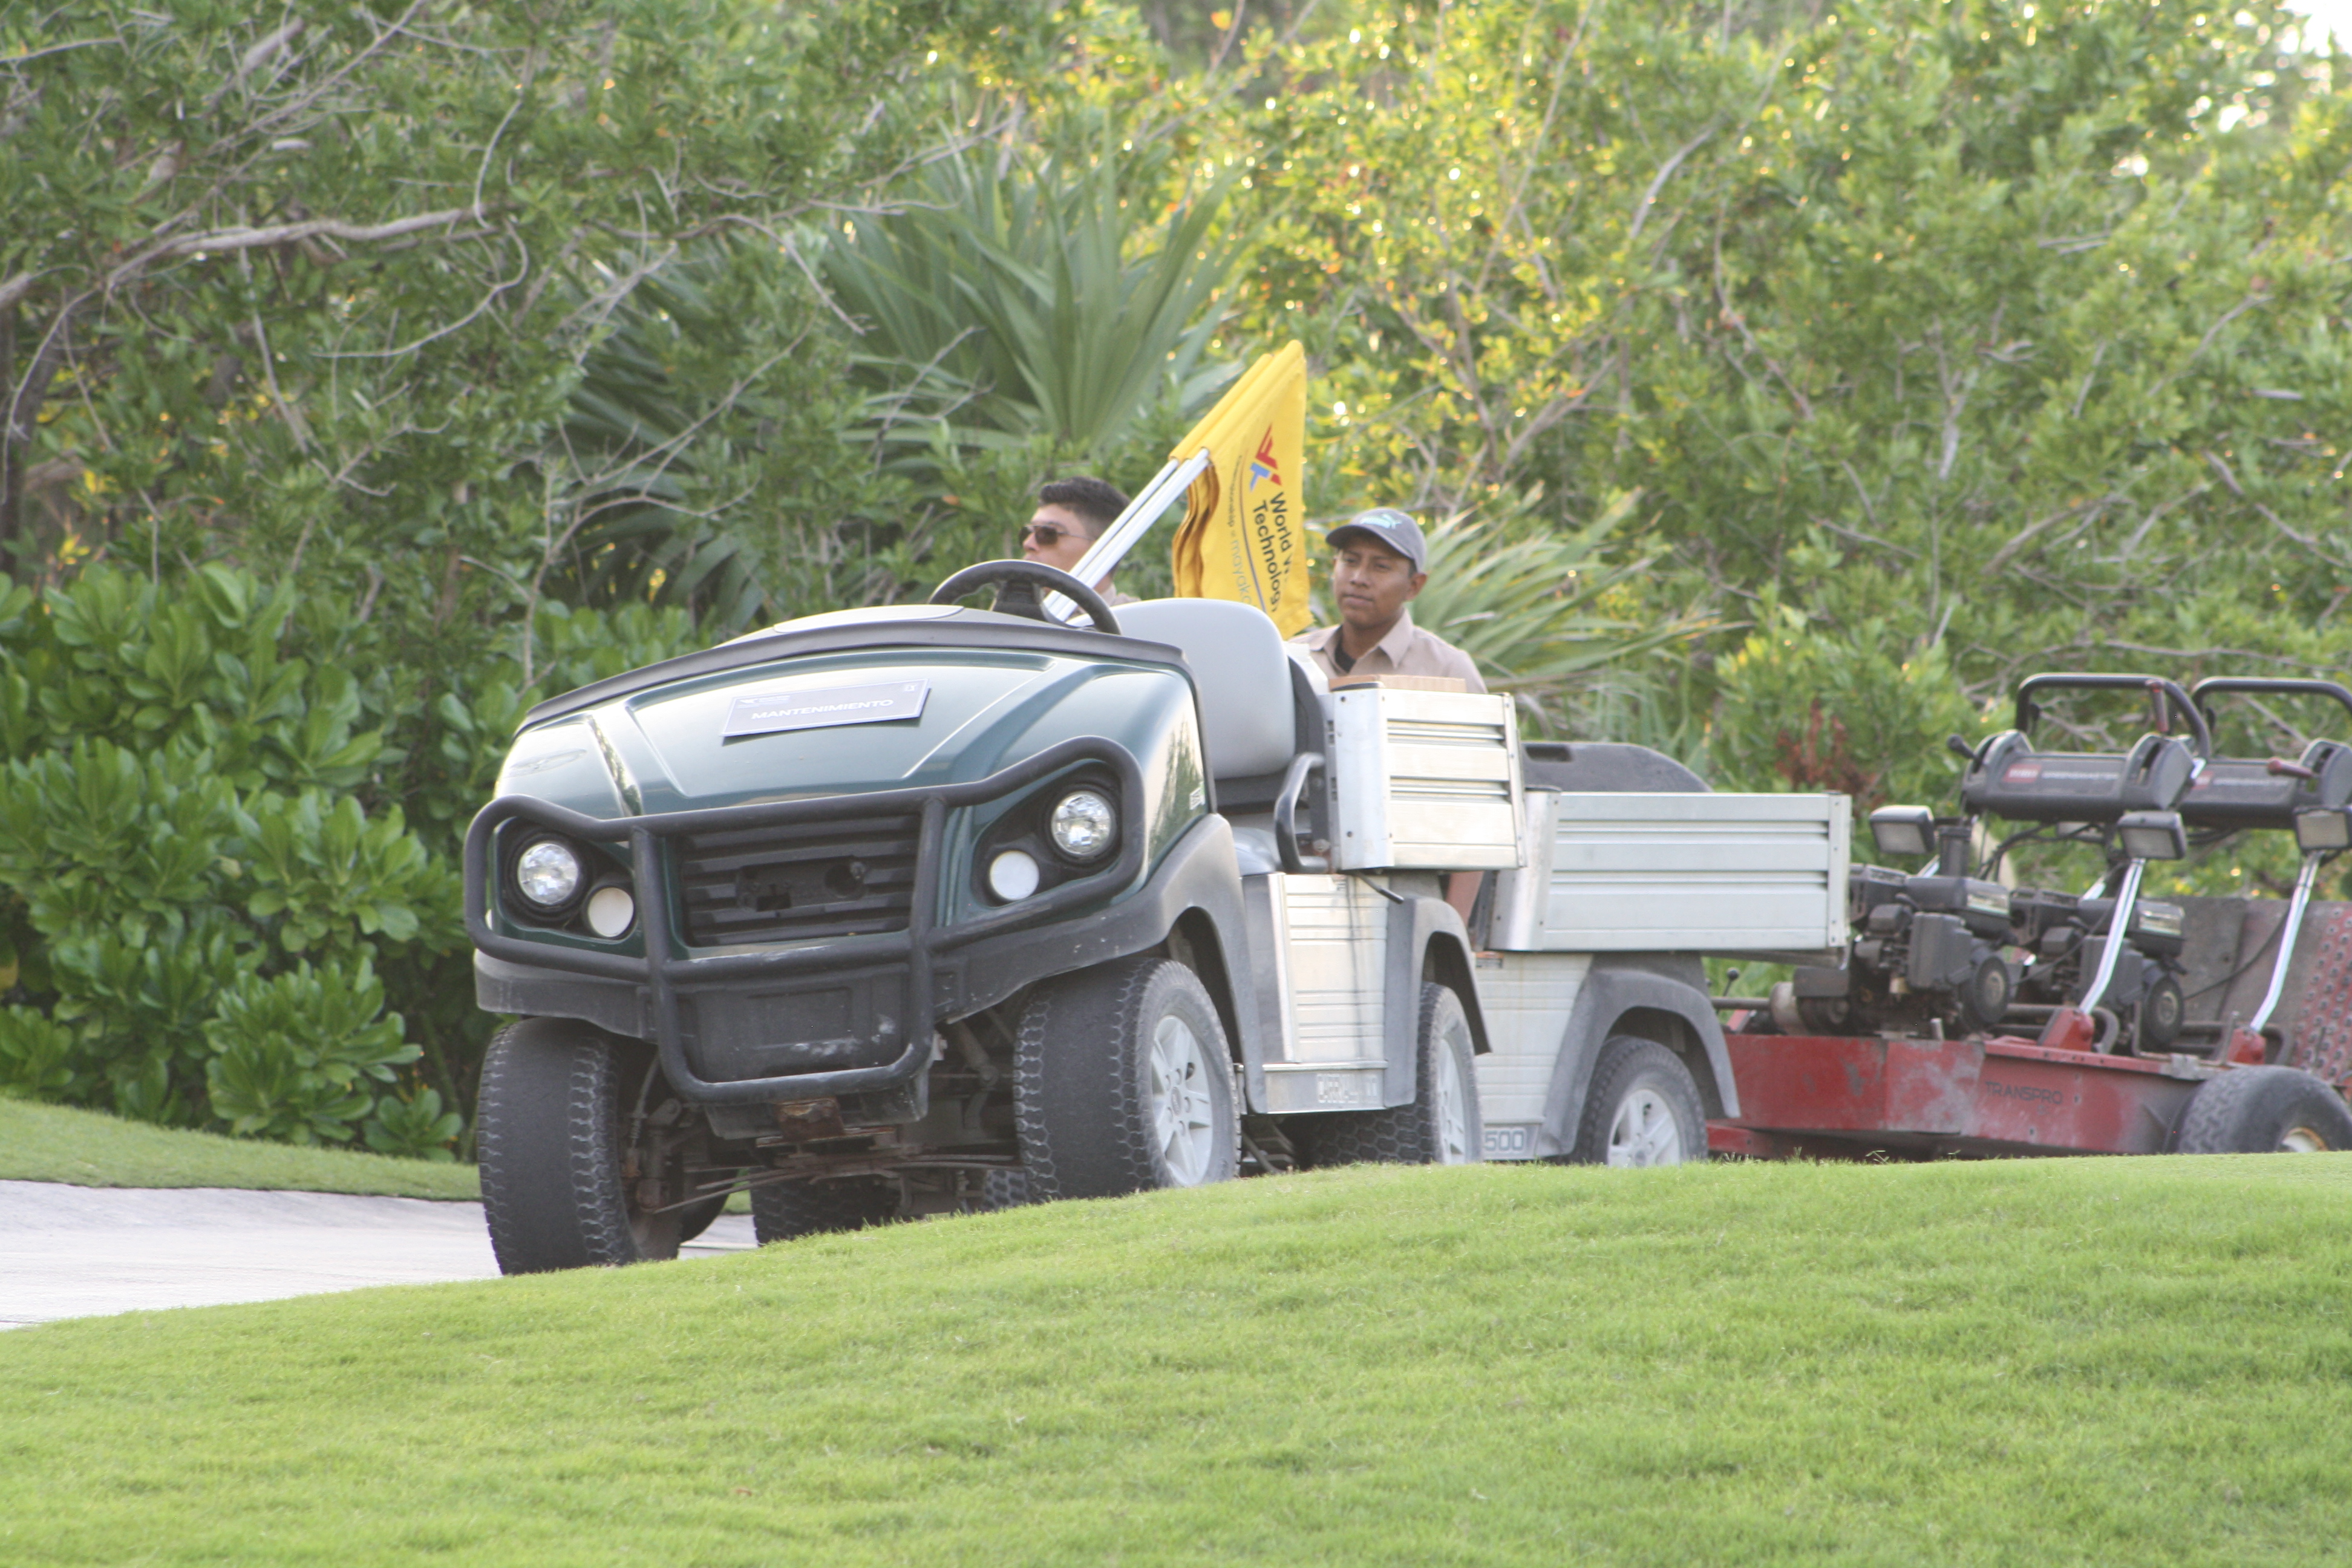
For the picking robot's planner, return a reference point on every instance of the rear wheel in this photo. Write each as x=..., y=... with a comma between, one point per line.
x=696, y=1219
x=1441, y=1127
x=1124, y=1083
x=553, y=1138
x=2265, y=1110
x=783, y=1210
x=1642, y=1109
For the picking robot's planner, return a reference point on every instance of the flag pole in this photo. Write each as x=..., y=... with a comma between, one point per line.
x=1103, y=557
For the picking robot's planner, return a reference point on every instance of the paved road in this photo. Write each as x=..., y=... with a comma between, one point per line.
x=77, y=1252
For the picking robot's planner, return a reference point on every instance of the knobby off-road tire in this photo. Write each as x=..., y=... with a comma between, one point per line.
x=1123, y=1082
x=1441, y=1127
x=783, y=1210
x=1005, y=1190
x=2265, y=1110
x=554, y=1126
x=1642, y=1110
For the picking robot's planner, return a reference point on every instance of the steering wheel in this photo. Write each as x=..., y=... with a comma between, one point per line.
x=1022, y=587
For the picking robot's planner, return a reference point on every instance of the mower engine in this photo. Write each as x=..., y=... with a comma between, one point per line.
x=1925, y=957
x=2064, y=937
x=1929, y=950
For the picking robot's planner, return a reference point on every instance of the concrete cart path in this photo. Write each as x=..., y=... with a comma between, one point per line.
x=77, y=1252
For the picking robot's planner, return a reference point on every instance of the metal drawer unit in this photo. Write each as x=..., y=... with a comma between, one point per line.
x=1423, y=780
x=1325, y=983
x=1528, y=999
x=1755, y=874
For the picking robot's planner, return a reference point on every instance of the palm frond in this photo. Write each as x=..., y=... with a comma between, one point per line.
x=1533, y=612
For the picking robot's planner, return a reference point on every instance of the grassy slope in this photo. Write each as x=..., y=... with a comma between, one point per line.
x=55, y=1144
x=2120, y=1361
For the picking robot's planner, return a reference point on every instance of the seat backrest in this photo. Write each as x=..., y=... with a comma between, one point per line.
x=1605, y=766
x=1247, y=713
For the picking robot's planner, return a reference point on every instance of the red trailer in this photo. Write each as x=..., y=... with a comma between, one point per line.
x=1892, y=1097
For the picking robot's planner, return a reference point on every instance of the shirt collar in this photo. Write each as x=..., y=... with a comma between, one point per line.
x=1399, y=641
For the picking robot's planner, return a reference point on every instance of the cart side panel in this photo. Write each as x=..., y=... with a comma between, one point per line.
x=1681, y=873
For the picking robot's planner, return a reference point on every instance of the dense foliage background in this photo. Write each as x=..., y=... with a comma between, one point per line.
x=1795, y=377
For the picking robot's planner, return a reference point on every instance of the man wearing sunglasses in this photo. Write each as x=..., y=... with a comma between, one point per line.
x=1071, y=515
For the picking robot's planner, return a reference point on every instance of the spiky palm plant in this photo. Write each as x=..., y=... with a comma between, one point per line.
x=1014, y=300
x=1533, y=611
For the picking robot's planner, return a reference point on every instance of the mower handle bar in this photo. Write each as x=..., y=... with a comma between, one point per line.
x=2201, y=736
x=2279, y=684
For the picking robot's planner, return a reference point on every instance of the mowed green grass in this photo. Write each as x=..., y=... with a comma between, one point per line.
x=57, y=1144
x=2097, y=1362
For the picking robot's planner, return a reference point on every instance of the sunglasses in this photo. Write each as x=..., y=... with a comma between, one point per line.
x=1046, y=534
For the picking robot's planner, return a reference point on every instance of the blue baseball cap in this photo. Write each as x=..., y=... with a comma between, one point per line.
x=1391, y=528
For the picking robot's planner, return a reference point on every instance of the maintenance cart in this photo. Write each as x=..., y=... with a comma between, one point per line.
x=918, y=909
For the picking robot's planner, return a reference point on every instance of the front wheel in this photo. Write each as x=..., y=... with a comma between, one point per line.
x=1642, y=1109
x=1123, y=1083
x=2265, y=1110
x=553, y=1137
x=1439, y=1127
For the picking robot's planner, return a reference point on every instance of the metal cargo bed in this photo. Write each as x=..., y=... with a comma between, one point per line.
x=1755, y=875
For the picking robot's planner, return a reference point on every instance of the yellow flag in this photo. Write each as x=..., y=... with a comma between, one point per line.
x=1244, y=530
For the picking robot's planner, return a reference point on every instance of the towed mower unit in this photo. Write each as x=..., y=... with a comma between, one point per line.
x=2084, y=1060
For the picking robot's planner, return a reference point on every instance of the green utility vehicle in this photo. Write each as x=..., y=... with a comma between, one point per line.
x=918, y=908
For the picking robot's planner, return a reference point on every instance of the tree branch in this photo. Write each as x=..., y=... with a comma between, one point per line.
x=221, y=241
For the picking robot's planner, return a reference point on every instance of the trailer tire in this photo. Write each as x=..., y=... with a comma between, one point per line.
x=2265, y=1110
x=550, y=1135
x=1439, y=1127
x=1123, y=1082
x=782, y=1211
x=1642, y=1109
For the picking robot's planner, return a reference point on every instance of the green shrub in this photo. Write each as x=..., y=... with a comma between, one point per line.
x=294, y=1057
x=228, y=850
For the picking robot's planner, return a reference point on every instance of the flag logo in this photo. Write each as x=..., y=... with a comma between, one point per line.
x=1244, y=537
x=1265, y=465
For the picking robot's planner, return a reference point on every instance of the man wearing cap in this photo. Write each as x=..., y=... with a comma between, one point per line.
x=1379, y=562
x=1071, y=515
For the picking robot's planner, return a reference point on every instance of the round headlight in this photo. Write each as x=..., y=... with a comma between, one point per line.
x=547, y=874
x=1012, y=875
x=1084, y=825
x=611, y=911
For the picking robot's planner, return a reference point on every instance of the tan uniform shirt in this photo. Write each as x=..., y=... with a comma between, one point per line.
x=1406, y=650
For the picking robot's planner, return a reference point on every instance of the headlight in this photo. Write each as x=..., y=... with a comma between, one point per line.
x=1012, y=875
x=611, y=911
x=547, y=874
x=1084, y=825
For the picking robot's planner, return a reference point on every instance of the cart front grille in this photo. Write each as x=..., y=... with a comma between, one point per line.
x=849, y=876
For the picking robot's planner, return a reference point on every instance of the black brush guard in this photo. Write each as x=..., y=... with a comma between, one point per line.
x=918, y=946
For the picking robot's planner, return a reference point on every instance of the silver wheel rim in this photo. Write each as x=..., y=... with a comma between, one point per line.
x=1453, y=1110
x=2302, y=1140
x=1183, y=1111
x=1644, y=1131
